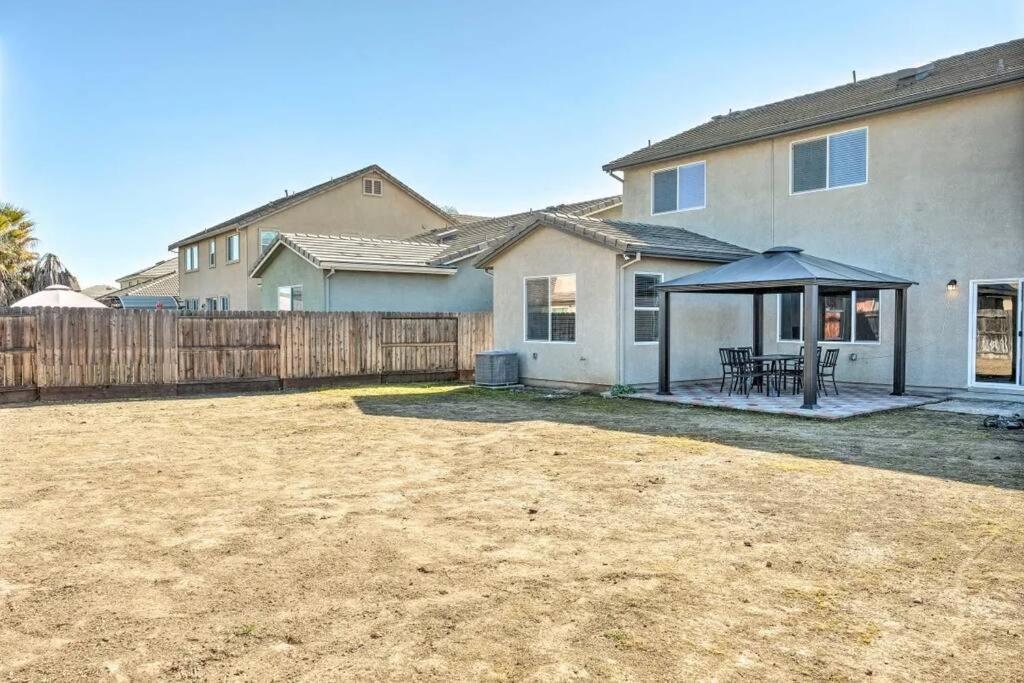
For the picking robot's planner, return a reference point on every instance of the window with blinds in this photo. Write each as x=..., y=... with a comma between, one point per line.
x=551, y=308
x=678, y=189
x=829, y=162
x=645, y=307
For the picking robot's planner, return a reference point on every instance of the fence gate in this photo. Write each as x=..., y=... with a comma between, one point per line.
x=419, y=344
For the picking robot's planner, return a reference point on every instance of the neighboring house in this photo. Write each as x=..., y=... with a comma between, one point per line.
x=431, y=271
x=919, y=173
x=97, y=291
x=158, y=280
x=215, y=263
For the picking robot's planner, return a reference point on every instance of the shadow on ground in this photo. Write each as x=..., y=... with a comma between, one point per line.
x=945, y=445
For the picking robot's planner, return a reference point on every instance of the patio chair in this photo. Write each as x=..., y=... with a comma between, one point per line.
x=797, y=371
x=746, y=371
x=827, y=369
x=728, y=369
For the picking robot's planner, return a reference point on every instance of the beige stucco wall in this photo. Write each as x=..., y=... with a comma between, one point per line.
x=591, y=359
x=343, y=209
x=944, y=199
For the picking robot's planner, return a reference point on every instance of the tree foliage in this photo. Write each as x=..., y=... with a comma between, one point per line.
x=22, y=271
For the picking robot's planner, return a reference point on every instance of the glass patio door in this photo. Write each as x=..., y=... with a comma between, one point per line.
x=996, y=306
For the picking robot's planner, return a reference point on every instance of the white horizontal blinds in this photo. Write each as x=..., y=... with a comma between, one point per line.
x=848, y=158
x=645, y=307
x=810, y=165
x=665, y=190
x=691, y=186
x=367, y=186
x=563, y=308
x=537, y=313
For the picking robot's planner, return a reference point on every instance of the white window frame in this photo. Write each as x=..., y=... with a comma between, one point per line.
x=192, y=258
x=263, y=231
x=702, y=162
x=972, y=339
x=828, y=161
x=549, y=278
x=661, y=278
x=225, y=302
x=227, y=248
x=375, y=184
x=291, y=297
x=853, y=326
x=211, y=257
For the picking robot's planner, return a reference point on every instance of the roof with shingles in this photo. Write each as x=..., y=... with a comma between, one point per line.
x=156, y=270
x=294, y=198
x=473, y=237
x=963, y=73
x=354, y=252
x=628, y=237
x=165, y=285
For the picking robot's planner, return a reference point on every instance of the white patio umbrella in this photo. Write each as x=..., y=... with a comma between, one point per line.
x=58, y=295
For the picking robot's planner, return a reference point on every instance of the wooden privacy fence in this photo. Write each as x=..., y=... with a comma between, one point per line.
x=63, y=353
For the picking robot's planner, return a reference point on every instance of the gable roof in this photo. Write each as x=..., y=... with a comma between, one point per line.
x=156, y=270
x=164, y=285
x=963, y=73
x=471, y=238
x=627, y=237
x=782, y=268
x=282, y=203
x=354, y=252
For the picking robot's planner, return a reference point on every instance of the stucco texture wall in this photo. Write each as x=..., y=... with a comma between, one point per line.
x=287, y=270
x=341, y=210
x=943, y=201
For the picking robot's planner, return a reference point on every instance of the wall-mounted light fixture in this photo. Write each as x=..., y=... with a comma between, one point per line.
x=951, y=285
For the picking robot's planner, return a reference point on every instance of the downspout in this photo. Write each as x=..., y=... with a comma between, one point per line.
x=327, y=290
x=620, y=371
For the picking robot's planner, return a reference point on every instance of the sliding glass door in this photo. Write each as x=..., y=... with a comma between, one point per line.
x=996, y=311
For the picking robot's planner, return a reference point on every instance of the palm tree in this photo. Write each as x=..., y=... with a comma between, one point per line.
x=16, y=255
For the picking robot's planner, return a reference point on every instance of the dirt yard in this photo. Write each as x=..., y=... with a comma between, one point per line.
x=448, y=533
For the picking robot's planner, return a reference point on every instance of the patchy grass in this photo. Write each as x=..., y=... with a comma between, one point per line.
x=446, y=532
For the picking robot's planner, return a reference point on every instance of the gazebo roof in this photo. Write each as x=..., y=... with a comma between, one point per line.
x=783, y=269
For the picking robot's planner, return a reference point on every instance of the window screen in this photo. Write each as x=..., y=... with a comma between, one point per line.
x=835, y=317
x=645, y=307
x=537, y=321
x=232, y=247
x=266, y=237
x=848, y=158
x=691, y=186
x=867, y=315
x=563, y=308
x=664, y=189
x=213, y=253
x=810, y=163
x=789, y=317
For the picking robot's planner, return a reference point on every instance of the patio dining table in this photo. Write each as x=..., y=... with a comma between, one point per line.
x=777, y=365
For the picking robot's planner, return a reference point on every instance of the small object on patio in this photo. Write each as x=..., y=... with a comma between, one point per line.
x=1004, y=422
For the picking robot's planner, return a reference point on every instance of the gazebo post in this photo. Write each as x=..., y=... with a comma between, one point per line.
x=899, y=356
x=810, y=347
x=758, y=336
x=663, y=344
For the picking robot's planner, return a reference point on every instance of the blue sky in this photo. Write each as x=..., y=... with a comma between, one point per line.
x=125, y=125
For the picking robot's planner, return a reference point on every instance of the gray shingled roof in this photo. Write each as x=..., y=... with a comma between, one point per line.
x=954, y=75
x=164, y=285
x=355, y=252
x=627, y=237
x=780, y=269
x=473, y=237
x=282, y=203
x=156, y=270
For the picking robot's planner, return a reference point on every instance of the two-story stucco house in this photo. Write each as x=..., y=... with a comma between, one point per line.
x=214, y=264
x=919, y=172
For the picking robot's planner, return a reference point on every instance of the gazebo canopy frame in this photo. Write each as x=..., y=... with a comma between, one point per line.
x=781, y=270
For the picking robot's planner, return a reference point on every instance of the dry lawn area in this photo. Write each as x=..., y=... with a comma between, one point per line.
x=440, y=533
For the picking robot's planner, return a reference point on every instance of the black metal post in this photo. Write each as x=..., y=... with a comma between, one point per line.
x=758, y=335
x=899, y=341
x=810, y=347
x=664, y=351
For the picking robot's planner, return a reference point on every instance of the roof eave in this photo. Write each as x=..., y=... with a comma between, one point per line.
x=952, y=91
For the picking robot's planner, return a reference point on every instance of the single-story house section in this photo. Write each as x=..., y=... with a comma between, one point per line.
x=431, y=271
x=575, y=298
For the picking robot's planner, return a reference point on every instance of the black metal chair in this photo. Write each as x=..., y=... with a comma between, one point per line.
x=827, y=369
x=727, y=370
x=797, y=371
x=746, y=371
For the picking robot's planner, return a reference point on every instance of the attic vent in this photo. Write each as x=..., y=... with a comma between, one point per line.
x=914, y=74
x=373, y=187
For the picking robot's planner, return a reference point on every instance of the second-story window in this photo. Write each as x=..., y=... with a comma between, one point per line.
x=682, y=188
x=232, y=248
x=213, y=253
x=192, y=257
x=831, y=161
x=266, y=237
x=373, y=187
